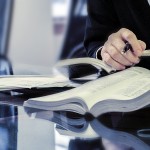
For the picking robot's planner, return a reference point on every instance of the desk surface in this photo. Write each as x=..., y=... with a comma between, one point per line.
x=21, y=130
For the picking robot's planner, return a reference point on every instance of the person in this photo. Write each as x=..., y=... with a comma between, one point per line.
x=112, y=23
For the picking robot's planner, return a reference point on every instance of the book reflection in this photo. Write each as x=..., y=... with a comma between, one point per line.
x=8, y=128
x=110, y=131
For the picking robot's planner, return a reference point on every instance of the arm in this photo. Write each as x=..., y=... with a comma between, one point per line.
x=101, y=22
x=103, y=30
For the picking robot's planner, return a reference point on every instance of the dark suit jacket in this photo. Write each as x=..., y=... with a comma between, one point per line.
x=108, y=16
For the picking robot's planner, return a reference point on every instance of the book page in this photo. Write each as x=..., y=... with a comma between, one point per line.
x=117, y=86
x=146, y=53
x=129, y=84
x=91, y=61
x=11, y=82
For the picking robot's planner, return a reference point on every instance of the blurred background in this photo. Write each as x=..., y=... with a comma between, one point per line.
x=35, y=34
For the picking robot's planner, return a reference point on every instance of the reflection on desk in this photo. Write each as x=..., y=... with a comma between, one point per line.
x=32, y=129
x=8, y=127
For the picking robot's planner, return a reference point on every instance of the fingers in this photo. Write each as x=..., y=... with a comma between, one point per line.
x=112, y=50
x=117, y=56
x=108, y=60
x=131, y=57
x=143, y=45
x=129, y=36
x=119, y=44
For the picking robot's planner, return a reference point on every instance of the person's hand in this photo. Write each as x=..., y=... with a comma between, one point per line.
x=112, y=55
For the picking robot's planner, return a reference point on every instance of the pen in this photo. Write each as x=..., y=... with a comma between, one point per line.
x=128, y=47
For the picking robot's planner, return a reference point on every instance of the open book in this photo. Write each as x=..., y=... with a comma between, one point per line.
x=61, y=78
x=58, y=79
x=12, y=82
x=123, y=91
x=17, y=82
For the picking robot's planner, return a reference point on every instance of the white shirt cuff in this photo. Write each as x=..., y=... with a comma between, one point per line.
x=97, y=52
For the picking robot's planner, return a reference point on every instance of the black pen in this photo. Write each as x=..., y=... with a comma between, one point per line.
x=146, y=53
x=127, y=48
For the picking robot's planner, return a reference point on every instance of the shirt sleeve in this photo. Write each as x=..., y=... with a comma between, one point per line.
x=98, y=51
x=101, y=22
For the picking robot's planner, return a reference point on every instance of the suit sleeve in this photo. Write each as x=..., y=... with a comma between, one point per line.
x=101, y=22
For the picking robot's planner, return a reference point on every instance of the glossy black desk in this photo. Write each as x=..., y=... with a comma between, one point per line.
x=45, y=130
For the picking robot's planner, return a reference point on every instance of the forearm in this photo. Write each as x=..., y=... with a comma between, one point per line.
x=101, y=22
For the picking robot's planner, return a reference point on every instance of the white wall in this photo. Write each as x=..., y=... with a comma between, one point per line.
x=31, y=46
